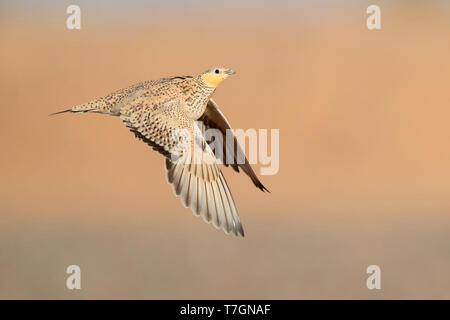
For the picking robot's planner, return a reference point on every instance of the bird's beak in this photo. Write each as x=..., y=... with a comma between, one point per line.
x=230, y=72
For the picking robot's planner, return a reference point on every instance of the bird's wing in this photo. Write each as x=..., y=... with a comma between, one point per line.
x=198, y=180
x=191, y=166
x=151, y=122
x=214, y=118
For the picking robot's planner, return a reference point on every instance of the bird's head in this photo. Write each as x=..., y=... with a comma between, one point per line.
x=212, y=77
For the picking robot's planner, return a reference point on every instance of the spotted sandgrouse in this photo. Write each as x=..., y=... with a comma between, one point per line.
x=156, y=111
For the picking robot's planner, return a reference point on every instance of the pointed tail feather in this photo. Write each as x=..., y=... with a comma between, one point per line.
x=64, y=111
x=77, y=109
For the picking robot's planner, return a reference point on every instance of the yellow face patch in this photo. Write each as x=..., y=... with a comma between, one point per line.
x=212, y=79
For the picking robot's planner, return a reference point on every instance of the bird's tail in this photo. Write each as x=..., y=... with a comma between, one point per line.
x=100, y=105
x=79, y=109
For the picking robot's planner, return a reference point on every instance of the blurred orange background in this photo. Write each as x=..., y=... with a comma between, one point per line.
x=364, y=151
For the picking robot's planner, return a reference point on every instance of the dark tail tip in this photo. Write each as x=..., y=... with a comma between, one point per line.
x=64, y=111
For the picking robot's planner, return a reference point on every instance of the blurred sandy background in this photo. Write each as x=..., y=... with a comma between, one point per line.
x=364, y=151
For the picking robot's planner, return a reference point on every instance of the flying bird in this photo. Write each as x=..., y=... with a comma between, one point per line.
x=156, y=111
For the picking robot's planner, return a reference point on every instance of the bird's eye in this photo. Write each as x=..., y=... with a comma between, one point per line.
x=216, y=71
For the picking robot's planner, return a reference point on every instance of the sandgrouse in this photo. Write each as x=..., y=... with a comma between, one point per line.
x=167, y=113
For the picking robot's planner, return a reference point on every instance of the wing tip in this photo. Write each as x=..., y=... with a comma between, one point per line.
x=238, y=230
x=261, y=187
x=241, y=231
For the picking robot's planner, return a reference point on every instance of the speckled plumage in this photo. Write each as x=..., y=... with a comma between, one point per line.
x=163, y=114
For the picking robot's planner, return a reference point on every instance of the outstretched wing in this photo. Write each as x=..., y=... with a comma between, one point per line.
x=214, y=118
x=155, y=123
x=191, y=166
x=198, y=180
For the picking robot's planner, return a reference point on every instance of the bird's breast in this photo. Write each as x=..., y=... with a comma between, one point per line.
x=196, y=101
x=195, y=108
